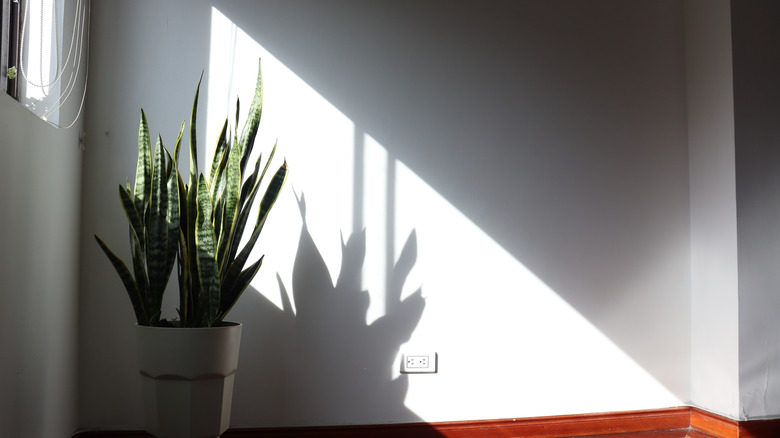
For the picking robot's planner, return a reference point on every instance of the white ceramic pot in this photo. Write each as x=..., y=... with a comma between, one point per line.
x=187, y=376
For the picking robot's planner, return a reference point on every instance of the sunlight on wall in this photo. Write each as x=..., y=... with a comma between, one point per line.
x=477, y=298
x=314, y=137
x=508, y=345
x=375, y=219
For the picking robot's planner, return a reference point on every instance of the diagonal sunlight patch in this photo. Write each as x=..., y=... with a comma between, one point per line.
x=314, y=137
x=508, y=345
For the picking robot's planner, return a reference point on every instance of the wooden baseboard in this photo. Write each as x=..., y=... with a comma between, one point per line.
x=547, y=427
x=721, y=427
x=683, y=422
x=713, y=424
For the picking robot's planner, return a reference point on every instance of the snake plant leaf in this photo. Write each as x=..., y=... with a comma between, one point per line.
x=248, y=192
x=219, y=153
x=191, y=211
x=272, y=193
x=253, y=120
x=234, y=134
x=127, y=280
x=173, y=220
x=197, y=225
x=137, y=235
x=252, y=184
x=177, y=147
x=231, y=295
x=157, y=239
x=194, y=138
x=238, y=107
x=230, y=197
x=233, y=184
x=248, y=185
x=143, y=169
x=219, y=182
x=133, y=216
x=183, y=259
x=138, y=255
x=230, y=278
x=208, y=272
x=189, y=239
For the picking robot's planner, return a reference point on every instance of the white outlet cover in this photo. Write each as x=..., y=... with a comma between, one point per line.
x=419, y=362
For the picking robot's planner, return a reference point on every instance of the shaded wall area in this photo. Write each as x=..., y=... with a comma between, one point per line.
x=714, y=267
x=40, y=173
x=757, y=133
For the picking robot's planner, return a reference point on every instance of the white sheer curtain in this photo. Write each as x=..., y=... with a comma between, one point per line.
x=53, y=53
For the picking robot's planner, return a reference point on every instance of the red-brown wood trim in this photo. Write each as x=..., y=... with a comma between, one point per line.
x=722, y=427
x=546, y=427
x=714, y=424
x=674, y=420
x=658, y=423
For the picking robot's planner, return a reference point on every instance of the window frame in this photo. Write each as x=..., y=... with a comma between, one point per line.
x=9, y=45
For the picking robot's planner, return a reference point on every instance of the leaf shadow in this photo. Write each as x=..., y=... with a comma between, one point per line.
x=323, y=364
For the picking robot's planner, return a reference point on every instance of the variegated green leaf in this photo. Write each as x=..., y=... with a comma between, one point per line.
x=133, y=216
x=219, y=153
x=127, y=280
x=173, y=218
x=253, y=120
x=207, y=261
x=143, y=168
x=138, y=255
x=245, y=203
x=238, y=108
x=157, y=238
x=231, y=294
x=272, y=193
x=194, y=138
x=219, y=182
x=177, y=146
x=252, y=183
x=245, y=207
x=219, y=220
x=231, y=196
x=201, y=221
x=189, y=233
x=236, y=265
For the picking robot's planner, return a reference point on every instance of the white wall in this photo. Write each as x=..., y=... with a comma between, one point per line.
x=135, y=62
x=757, y=111
x=40, y=174
x=714, y=274
x=536, y=150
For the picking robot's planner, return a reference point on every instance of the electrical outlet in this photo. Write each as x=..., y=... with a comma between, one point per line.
x=419, y=362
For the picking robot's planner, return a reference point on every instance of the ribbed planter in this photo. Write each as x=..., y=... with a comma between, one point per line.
x=187, y=376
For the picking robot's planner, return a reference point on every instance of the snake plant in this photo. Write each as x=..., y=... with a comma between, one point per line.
x=198, y=225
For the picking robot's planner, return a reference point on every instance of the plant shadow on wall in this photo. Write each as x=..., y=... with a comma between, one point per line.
x=580, y=176
x=324, y=364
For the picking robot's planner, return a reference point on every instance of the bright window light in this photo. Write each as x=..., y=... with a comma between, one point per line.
x=44, y=39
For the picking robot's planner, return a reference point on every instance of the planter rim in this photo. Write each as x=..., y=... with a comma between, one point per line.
x=222, y=325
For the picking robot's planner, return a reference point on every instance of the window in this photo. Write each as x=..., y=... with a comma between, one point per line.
x=44, y=56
